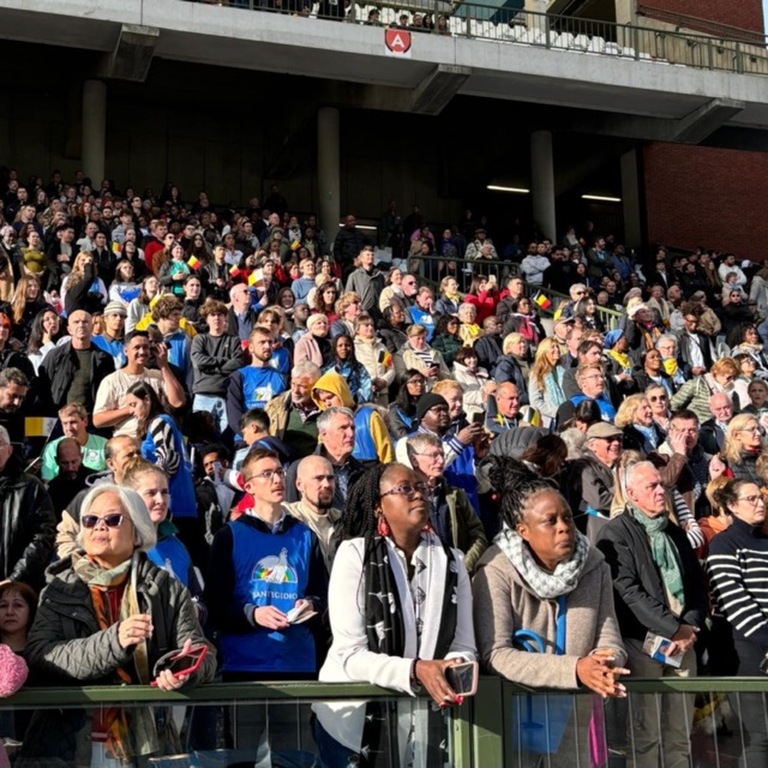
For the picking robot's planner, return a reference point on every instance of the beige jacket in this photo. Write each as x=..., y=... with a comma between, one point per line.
x=504, y=603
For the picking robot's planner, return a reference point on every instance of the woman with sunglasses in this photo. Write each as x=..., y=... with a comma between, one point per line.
x=658, y=399
x=106, y=617
x=736, y=565
x=388, y=557
x=744, y=451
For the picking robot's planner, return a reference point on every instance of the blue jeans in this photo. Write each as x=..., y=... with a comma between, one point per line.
x=330, y=753
x=215, y=406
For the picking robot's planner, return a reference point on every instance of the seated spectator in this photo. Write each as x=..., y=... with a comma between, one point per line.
x=74, y=423
x=591, y=383
x=450, y=298
x=348, y=309
x=696, y=393
x=744, y=452
x=345, y=363
x=47, y=332
x=524, y=572
x=513, y=365
x=588, y=352
x=423, y=312
x=125, y=605
x=401, y=414
x=475, y=382
x=522, y=319
x=392, y=328
x=658, y=398
x=315, y=346
x=18, y=605
x=447, y=340
x=757, y=392
x=71, y=477
x=417, y=354
x=635, y=419
x=372, y=442
x=293, y=415
x=545, y=382
x=373, y=355
x=484, y=294
x=387, y=513
x=488, y=345
x=590, y=480
x=712, y=432
x=139, y=307
x=469, y=330
x=652, y=371
x=643, y=329
x=82, y=288
x=451, y=515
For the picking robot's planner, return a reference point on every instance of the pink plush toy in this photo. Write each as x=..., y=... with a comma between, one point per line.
x=13, y=671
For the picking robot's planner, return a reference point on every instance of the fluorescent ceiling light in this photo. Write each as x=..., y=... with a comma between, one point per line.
x=360, y=226
x=497, y=188
x=602, y=198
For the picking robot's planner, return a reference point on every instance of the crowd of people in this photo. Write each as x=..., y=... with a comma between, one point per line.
x=228, y=434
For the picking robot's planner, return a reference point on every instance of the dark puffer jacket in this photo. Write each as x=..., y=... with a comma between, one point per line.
x=66, y=647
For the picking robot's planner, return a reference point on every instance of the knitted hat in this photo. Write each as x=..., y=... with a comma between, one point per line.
x=116, y=308
x=612, y=338
x=13, y=671
x=430, y=400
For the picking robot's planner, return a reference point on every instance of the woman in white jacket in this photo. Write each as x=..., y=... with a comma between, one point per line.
x=474, y=380
x=386, y=635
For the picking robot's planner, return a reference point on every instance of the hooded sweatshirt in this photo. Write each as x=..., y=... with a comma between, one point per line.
x=372, y=442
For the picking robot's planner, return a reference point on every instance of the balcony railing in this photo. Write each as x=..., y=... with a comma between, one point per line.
x=271, y=724
x=565, y=34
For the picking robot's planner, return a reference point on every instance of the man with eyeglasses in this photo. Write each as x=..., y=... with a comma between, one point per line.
x=27, y=521
x=451, y=514
x=683, y=463
x=660, y=590
x=267, y=575
x=590, y=379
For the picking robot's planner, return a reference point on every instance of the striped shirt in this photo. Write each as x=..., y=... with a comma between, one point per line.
x=738, y=571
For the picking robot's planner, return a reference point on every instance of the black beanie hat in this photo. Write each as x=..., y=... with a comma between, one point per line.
x=430, y=400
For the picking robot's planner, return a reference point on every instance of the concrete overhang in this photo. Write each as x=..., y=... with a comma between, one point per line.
x=438, y=68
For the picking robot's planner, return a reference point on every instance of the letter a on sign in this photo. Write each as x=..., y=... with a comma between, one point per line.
x=398, y=43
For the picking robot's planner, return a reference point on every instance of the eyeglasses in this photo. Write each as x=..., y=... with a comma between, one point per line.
x=111, y=521
x=753, y=500
x=656, y=398
x=751, y=430
x=407, y=490
x=434, y=455
x=268, y=474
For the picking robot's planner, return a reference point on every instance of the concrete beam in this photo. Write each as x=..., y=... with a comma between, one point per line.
x=704, y=121
x=132, y=55
x=436, y=90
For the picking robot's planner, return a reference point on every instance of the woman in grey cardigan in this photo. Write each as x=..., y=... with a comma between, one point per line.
x=542, y=575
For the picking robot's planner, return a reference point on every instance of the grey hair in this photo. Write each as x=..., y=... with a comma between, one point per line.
x=325, y=418
x=306, y=368
x=422, y=440
x=628, y=475
x=133, y=506
x=666, y=337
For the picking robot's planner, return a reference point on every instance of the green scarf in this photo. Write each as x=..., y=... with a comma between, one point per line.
x=663, y=552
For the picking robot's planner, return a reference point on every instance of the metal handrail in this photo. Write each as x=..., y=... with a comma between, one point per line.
x=76, y=696
x=555, y=32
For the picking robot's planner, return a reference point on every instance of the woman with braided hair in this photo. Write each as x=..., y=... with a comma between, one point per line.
x=410, y=620
x=543, y=577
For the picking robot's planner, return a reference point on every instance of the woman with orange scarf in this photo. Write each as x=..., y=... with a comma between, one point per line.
x=110, y=616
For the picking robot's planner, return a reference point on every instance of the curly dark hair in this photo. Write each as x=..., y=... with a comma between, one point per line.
x=515, y=484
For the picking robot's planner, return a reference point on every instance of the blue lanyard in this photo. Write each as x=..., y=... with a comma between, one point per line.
x=534, y=643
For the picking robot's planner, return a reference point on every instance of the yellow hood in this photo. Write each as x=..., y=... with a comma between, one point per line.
x=336, y=383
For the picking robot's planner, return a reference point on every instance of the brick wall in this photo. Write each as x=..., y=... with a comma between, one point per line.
x=746, y=14
x=704, y=196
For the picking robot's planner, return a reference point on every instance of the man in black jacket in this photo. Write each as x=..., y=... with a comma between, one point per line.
x=348, y=243
x=73, y=371
x=27, y=521
x=659, y=590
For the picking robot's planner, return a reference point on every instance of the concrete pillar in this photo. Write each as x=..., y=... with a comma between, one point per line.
x=328, y=170
x=94, y=136
x=543, y=184
x=630, y=199
x=625, y=12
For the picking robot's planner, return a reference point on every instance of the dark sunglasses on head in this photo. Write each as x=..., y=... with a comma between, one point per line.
x=111, y=521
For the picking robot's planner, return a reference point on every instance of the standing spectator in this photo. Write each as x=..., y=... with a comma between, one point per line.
x=659, y=588
x=366, y=281
x=214, y=355
x=348, y=243
x=26, y=520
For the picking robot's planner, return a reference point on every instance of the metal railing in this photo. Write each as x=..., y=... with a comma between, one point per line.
x=492, y=728
x=660, y=45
